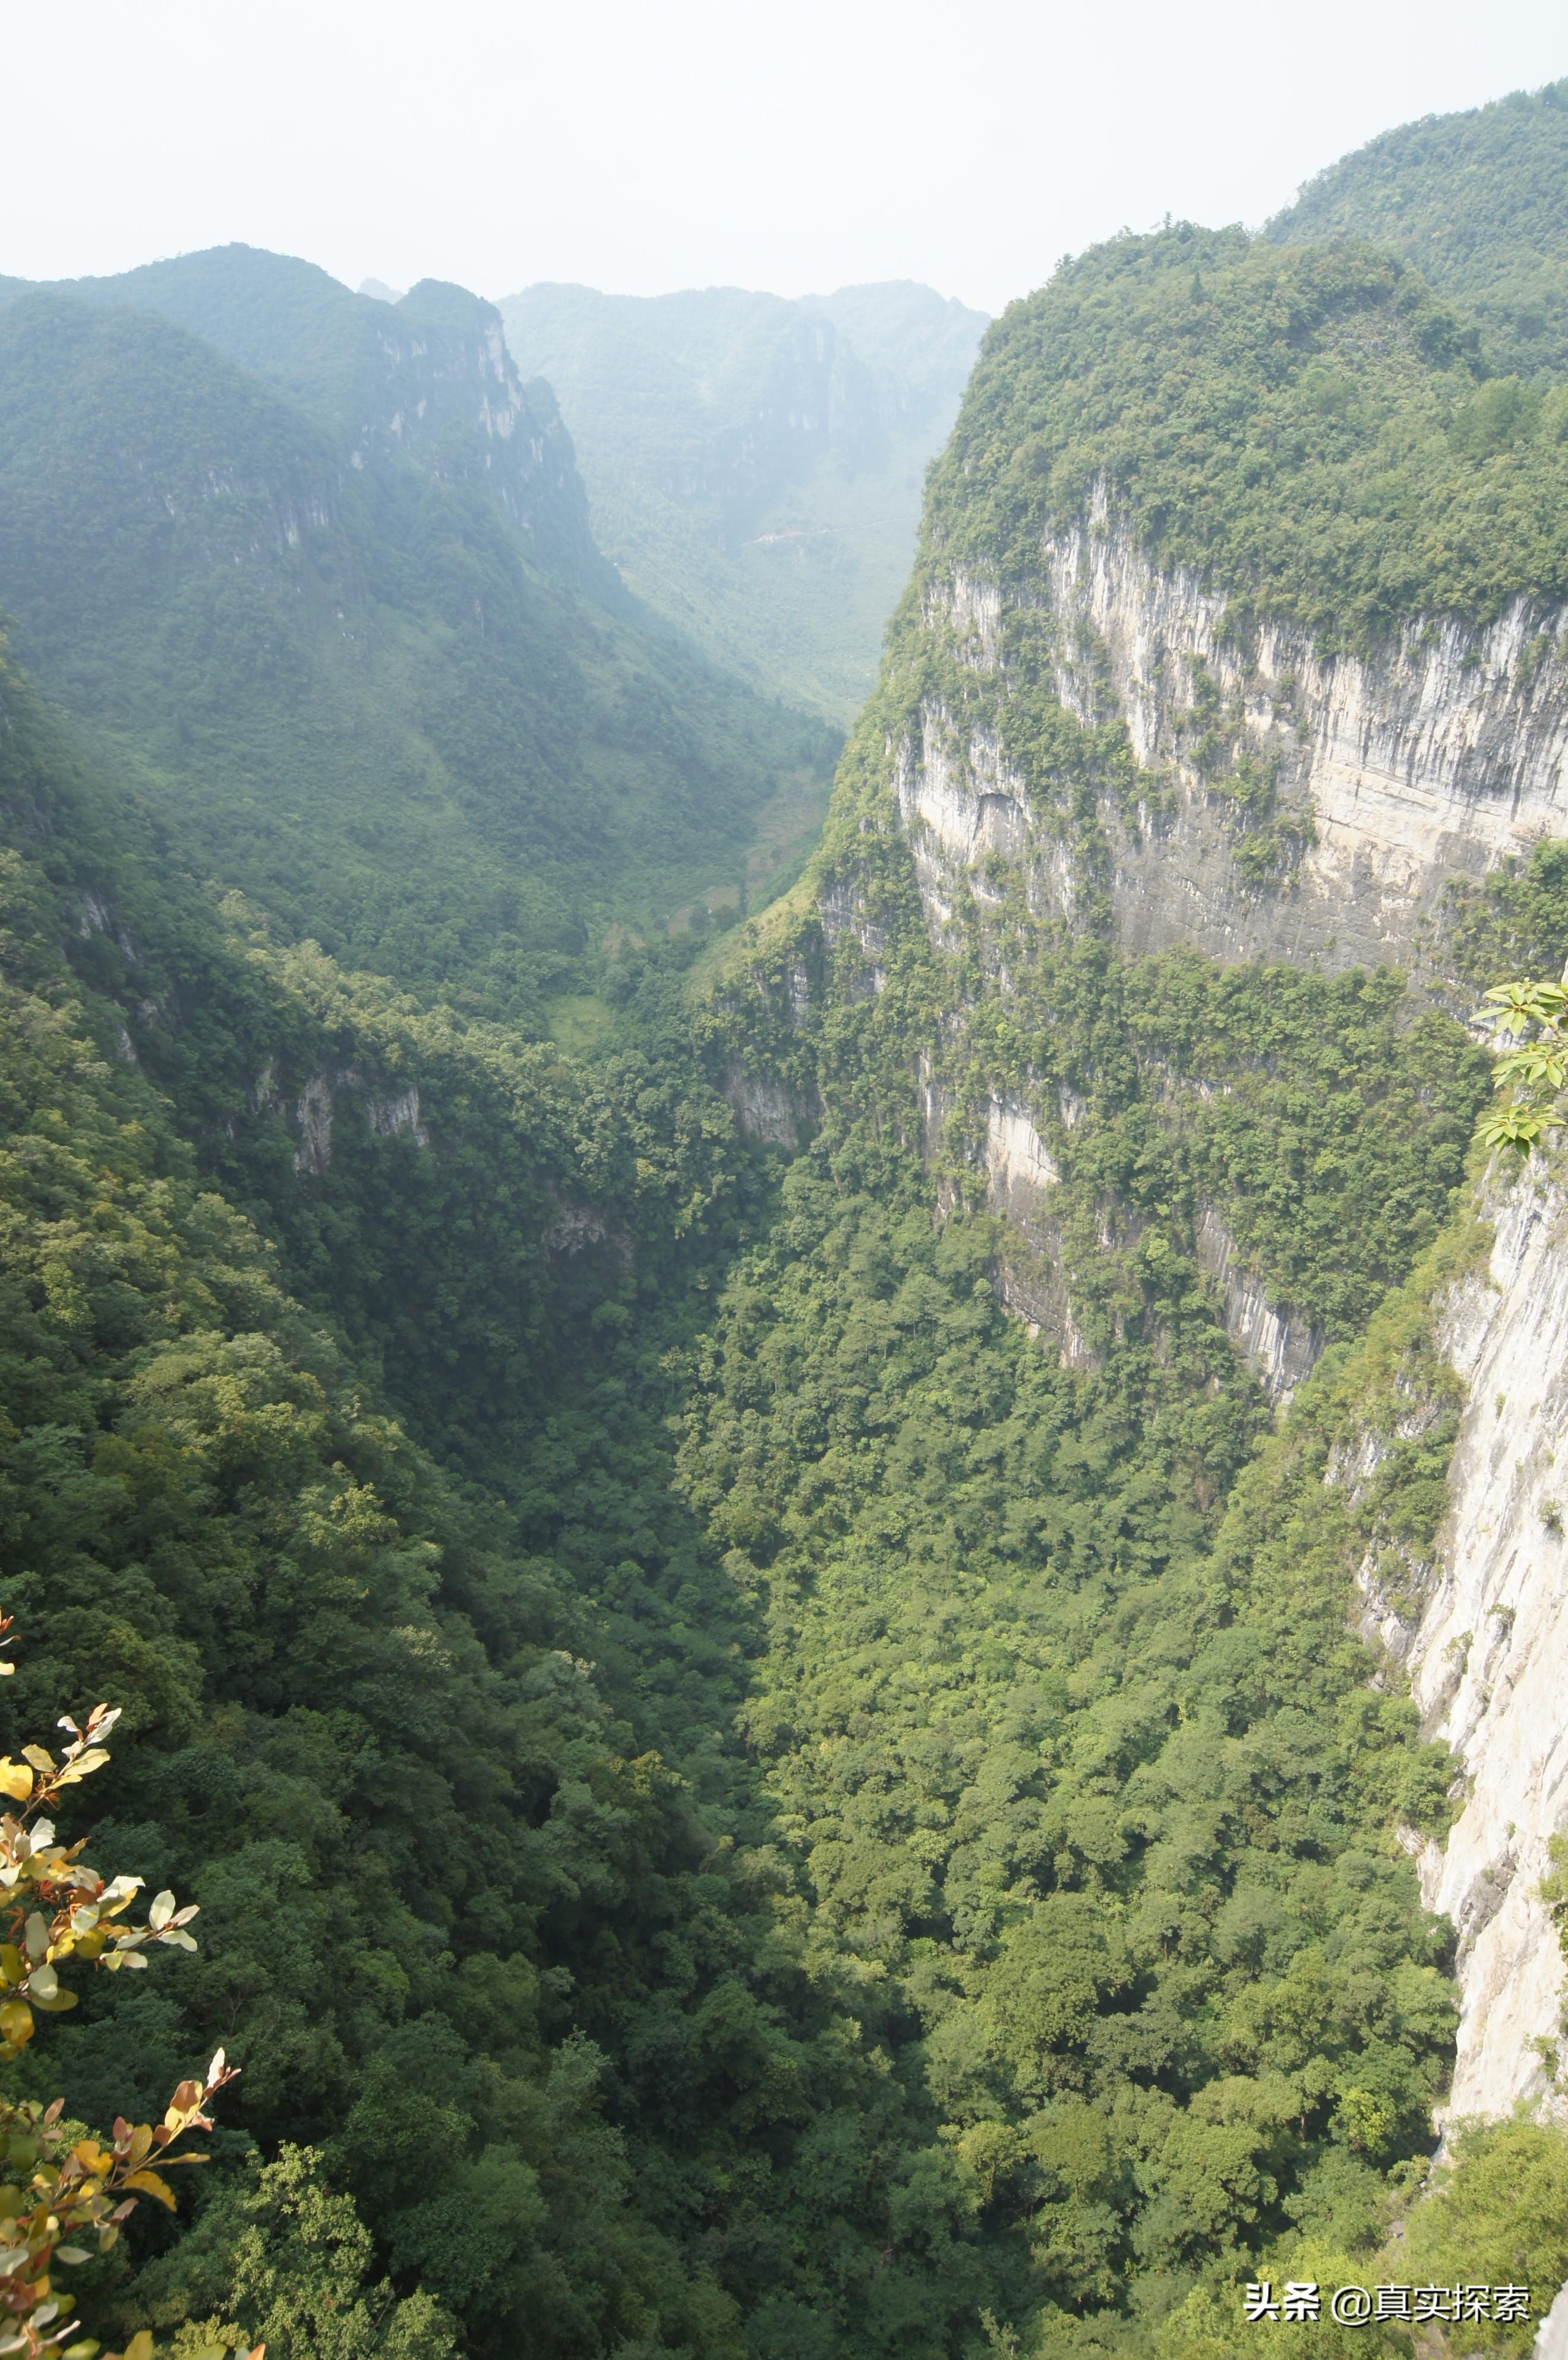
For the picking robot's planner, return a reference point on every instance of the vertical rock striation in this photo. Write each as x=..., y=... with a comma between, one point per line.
x=1442, y=755
x=1489, y=1663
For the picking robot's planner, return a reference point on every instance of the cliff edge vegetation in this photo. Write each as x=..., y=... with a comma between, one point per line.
x=1312, y=430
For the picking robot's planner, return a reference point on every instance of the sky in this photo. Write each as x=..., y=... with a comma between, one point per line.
x=645, y=144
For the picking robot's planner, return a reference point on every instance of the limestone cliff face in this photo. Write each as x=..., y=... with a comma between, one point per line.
x=323, y=1098
x=1278, y=1349
x=1488, y=1664
x=438, y=384
x=1441, y=756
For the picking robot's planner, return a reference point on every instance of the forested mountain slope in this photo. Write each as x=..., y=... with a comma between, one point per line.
x=1262, y=518
x=754, y=465
x=321, y=577
x=1478, y=203
x=864, y=1870
x=1237, y=623
x=443, y=1761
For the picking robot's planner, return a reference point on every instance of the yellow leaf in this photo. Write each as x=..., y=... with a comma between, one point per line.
x=141, y=2348
x=150, y=2182
x=16, y=2023
x=57, y=2003
x=16, y=1780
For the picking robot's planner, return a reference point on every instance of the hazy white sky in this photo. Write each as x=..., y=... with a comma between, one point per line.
x=641, y=145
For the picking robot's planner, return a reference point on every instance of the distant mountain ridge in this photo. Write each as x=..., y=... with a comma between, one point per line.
x=321, y=574
x=755, y=464
x=435, y=382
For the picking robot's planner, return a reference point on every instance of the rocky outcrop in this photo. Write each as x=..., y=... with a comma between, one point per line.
x=1021, y=1175
x=842, y=913
x=1489, y=1661
x=1442, y=755
x=320, y=1105
x=765, y=1111
x=397, y=1117
x=1278, y=1347
x=577, y=1229
x=313, y=1112
x=1019, y=1167
x=96, y=915
x=1552, y=2337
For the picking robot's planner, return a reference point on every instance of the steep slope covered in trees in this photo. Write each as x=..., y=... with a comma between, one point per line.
x=1478, y=203
x=325, y=589
x=359, y=1701
x=754, y=465
x=1275, y=445
x=906, y=2008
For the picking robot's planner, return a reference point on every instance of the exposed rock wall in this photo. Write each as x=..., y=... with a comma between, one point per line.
x=397, y=1117
x=1489, y=1663
x=1441, y=756
x=1279, y=1348
x=765, y=1111
x=1021, y=1175
x=1019, y=1165
x=313, y=1113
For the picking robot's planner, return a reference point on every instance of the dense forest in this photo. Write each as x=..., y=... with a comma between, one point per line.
x=1475, y=201
x=1311, y=427
x=772, y=1762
